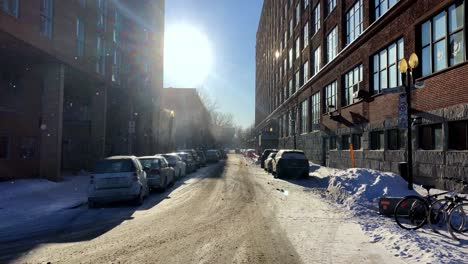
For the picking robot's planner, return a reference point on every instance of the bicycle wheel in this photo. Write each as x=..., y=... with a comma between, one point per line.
x=411, y=212
x=438, y=212
x=458, y=219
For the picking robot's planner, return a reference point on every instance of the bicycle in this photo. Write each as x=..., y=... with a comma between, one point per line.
x=412, y=212
x=440, y=210
x=458, y=219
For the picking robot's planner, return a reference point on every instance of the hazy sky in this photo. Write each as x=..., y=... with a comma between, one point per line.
x=230, y=26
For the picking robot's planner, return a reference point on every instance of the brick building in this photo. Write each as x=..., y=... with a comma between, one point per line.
x=329, y=65
x=74, y=75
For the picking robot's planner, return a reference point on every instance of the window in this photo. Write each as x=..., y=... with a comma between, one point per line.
x=330, y=96
x=458, y=135
x=80, y=38
x=27, y=148
x=332, y=142
x=298, y=13
x=46, y=18
x=345, y=141
x=291, y=27
x=430, y=137
x=101, y=56
x=317, y=18
x=317, y=60
x=292, y=123
x=306, y=3
x=385, y=67
x=332, y=44
x=331, y=4
x=305, y=72
x=306, y=35
x=116, y=62
x=10, y=7
x=393, y=139
x=442, y=41
x=352, y=81
x=102, y=14
x=4, y=147
x=82, y=3
x=290, y=58
x=354, y=25
x=117, y=27
x=286, y=125
x=298, y=47
x=381, y=7
x=356, y=140
x=290, y=90
x=297, y=81
x=315, y=102
x=304, y=116
x=285, y=65
x=377, y=140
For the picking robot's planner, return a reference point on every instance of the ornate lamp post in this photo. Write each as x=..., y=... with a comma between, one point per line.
x=406, y=70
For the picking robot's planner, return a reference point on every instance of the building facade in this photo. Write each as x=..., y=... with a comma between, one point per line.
x=192, y=121
x=328, y=78
x=79, y=80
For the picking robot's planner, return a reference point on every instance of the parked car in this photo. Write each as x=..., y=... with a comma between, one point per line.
x=212, y=156
x=269, y=161
x=160, y=175
x=119, y=178
x=194, y=155
x=187, y=158
x=202, y=156
x=290, y=163
x=264, y=156
x=177, y=163
x=223, y=154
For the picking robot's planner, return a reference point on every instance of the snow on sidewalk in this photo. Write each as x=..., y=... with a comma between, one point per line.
x=358, y=190
x=25, y=200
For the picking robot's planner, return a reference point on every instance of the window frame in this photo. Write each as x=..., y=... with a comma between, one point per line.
x=332, y=44
x=376, y=61
x=348, y=90
x=304, y=116
x=378, y=135
x=433, y=134
x=331, y=95
x=80, y=37
x=445, y=39
x=315, y=112
x=6, y=8
x=317, y=18
x=453, y=140
x=317, y=60
x=47, y=18
x=398, y=138
x=356, y=9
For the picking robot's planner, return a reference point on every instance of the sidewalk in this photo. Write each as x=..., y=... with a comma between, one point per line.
x=25, y=200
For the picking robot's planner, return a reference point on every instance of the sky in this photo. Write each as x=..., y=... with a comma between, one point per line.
x=230, y=27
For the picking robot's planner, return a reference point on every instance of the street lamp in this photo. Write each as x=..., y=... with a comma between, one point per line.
x=406, y=70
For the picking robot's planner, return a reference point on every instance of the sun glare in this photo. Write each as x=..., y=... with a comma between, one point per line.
x=187, y=58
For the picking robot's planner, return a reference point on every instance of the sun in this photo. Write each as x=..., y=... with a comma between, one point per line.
x=187, y=56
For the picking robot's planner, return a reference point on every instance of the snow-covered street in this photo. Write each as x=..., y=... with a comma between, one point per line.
x=232, y=213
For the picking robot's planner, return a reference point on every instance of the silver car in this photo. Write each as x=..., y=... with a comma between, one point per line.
x=119, y=178
x=176, y=162
x=160, y=174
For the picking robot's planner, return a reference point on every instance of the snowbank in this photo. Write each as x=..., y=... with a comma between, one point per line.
x=360, y=189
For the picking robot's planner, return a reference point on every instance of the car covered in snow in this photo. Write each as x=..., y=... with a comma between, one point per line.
x=160, y=175
x=119, y=178
x=290, y=163
x=268, y=163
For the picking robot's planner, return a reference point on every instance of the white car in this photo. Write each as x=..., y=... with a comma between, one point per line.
x=176, y=162
x=119, y=178
x=160, y=174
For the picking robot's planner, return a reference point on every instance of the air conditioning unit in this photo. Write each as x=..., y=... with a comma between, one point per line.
x=359, y=93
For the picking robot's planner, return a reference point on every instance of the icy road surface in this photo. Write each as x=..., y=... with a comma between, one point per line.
x=223, y=214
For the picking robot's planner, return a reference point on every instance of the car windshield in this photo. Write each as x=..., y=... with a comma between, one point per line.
x=114, y=166
x=171, y=159
x=150, y=163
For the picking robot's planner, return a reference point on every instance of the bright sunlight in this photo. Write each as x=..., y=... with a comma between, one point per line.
x=187, y=56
